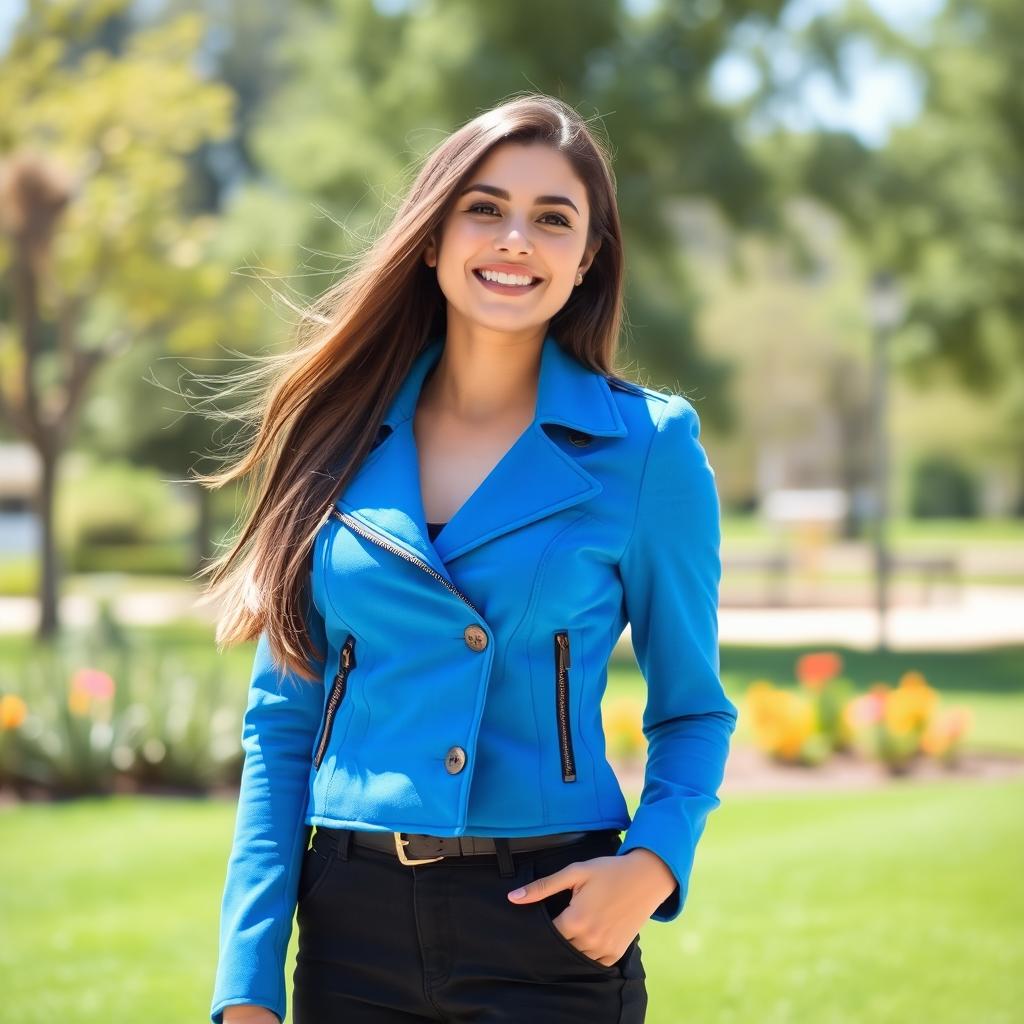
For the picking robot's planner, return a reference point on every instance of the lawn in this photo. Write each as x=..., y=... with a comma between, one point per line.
x=900, y=905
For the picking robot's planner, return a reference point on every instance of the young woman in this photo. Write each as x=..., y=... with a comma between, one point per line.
x=461, y=506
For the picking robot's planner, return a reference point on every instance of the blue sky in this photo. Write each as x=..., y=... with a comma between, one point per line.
x=883, y=93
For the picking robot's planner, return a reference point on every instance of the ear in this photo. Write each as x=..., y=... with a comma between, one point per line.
x=430, y=252
x=588, y=257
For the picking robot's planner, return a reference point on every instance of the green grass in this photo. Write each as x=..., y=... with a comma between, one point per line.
x=905, y=904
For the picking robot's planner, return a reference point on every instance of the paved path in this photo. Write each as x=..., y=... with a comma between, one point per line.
x=982, y=616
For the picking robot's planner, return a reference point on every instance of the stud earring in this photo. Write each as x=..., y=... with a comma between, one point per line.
x=579, y=278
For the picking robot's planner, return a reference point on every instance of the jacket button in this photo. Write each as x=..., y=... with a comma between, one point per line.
x=455, y=760
x=476, y=638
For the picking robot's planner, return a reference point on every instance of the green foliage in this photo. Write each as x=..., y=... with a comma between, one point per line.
x=19, y=576
x=366, y=90
x=938, y=203
x=161, y=559
x=942, y=486
x=145, y=510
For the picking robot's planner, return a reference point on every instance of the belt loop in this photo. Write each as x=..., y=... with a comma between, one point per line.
x=344, y=842
x=506, y=866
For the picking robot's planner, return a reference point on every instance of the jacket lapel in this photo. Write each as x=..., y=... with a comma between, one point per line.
x=533, y=479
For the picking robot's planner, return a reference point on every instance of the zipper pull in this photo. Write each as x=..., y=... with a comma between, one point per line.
x=348, y=659
x=348, y=652
x=564, y=657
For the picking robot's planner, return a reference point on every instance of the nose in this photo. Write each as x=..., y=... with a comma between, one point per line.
x=514, y=239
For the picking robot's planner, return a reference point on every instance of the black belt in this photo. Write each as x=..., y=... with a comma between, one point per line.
x=418, y=848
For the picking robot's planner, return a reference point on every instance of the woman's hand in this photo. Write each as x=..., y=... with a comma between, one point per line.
x=249, y=1014
x=613, y=897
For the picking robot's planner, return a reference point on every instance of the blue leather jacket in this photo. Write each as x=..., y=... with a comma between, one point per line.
x=463, y=677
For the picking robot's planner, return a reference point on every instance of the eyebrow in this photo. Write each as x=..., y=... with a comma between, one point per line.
x=502, y=194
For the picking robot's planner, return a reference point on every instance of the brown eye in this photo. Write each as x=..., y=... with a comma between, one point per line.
x=560, y=221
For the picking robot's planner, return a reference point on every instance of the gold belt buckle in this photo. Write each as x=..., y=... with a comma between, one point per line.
x=400, y=843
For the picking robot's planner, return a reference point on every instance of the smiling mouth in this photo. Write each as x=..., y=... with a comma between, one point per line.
x=507, y=289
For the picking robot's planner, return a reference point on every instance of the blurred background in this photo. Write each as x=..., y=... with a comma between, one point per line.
x=824, y=219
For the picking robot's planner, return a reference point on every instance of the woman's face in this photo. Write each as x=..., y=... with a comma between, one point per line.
x=525, y=214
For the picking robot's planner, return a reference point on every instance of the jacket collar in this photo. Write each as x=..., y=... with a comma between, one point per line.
x=568, y=393
x=536, y=476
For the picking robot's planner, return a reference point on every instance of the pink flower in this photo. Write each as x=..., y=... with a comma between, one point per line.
x=92, y=681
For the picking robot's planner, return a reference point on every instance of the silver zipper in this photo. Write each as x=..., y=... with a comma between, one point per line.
x=562, y=663
x=401, y=552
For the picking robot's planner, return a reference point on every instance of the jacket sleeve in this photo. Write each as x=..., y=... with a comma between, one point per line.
x=279, y=728
x=671, y=569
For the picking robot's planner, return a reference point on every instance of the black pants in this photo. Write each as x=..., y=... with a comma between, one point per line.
x=380, y=941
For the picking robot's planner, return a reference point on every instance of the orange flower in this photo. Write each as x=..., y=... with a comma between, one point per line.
x=13, y=711
x=817, y=668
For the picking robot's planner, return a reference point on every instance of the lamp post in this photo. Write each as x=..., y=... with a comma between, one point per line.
x=885, y=311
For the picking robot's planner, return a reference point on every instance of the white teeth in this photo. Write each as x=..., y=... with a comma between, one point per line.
x=490, y=275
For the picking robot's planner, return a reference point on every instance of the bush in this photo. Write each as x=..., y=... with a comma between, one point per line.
x=145, y=559
x=941, y=487
x=118, y=503
x=114, y=710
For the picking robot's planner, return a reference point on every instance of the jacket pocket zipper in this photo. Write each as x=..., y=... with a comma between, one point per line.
x=346, y=661
x=562, y=663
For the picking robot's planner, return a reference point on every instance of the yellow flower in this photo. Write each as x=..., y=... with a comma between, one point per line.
x=946, y=730
x=622, y=718
x=79, y=701
x=780, y=721
x=912, y=678
x=909, y=706
x=801, y=723
x=13, y=711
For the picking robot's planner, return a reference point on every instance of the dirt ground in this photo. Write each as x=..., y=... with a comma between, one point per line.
x=747, y=771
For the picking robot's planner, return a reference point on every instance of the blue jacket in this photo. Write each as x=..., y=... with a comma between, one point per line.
x=463, y=677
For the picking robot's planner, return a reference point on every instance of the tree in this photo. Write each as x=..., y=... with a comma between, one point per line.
x=366, y=89
x=95, y=256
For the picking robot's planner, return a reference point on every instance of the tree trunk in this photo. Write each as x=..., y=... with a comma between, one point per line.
x=48, y=569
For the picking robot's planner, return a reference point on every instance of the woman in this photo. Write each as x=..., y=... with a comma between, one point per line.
x=461, y=507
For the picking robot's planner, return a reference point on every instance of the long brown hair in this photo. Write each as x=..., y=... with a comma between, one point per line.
x=321, y=402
